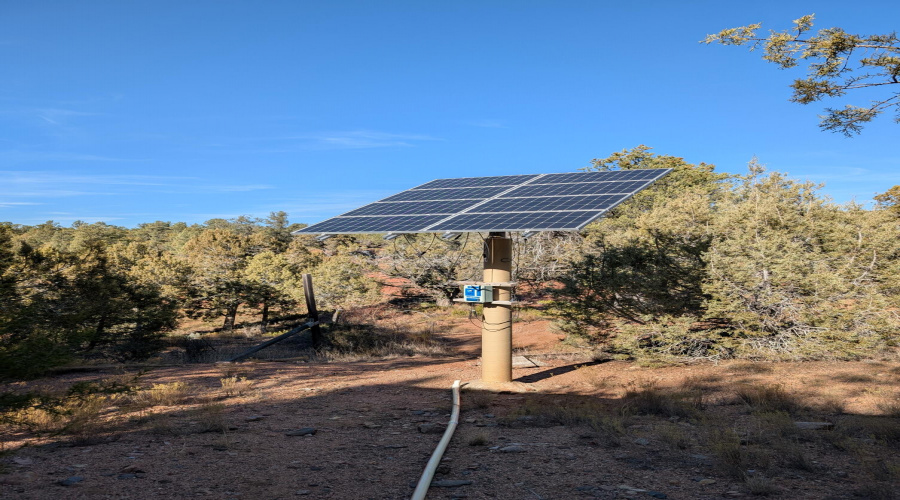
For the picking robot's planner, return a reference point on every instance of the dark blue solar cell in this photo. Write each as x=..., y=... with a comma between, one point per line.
x=620, y=188
x=550, y=203
x=390, y=224
x=616, y=175
x=501, y=180
x=414, y=208
x=474, y=193
x=516, y=221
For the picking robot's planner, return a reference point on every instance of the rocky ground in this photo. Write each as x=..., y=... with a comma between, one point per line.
x=578, y=429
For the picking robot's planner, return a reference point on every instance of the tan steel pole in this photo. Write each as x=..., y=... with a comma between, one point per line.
x=496, y=329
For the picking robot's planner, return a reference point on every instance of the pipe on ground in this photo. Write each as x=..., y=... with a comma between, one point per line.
x=428, y=473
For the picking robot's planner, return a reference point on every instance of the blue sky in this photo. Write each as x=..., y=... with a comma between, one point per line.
x=130, y=112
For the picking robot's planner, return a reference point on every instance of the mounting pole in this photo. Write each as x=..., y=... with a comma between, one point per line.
x=496, y=327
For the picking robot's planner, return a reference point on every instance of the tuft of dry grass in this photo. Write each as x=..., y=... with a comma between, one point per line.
x=478, y=439
x=594, y=379
x=889, y=406
x=79, y=417
x=162, y=395
x=883, y=429
x=726, y=445
x=760, y=486
x=673, y=436
x=768, y=398
x=236, y=386
x=794, y=456
x=210, y=418
x=853, y=378
x=481, y=400
x=750, y=367
x=646, y=398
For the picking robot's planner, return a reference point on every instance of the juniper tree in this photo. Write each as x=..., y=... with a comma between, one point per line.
x=837, y=63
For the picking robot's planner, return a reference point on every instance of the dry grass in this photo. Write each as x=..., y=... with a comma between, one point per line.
x=162, y=395
x=853, y=378
x=360, y=342
x=674, y=436
x=748, y=367
x=594, y=379
x=889, y=406
x=646, y=398
x=481, y=400
x=79, y=417
x=768, y=398
x=759, y=485
x=210, y=418
x=478, y=439
x=236, y=386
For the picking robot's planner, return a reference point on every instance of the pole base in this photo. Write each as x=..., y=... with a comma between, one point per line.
x=498, y=387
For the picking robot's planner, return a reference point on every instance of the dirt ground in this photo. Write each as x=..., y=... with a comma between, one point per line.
x=581, y=429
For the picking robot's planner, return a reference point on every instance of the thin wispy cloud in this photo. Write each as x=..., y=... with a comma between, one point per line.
x=23, y=178
x=330, y=140
x=57, y=116
x=5, y=204
x=364, y=139
x=313, y=208
x=16, y=157
x=49, y=184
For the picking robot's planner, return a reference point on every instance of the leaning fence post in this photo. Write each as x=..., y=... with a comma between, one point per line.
x=311, y=308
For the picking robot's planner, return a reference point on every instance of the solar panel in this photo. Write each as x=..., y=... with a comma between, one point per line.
x=539, y=202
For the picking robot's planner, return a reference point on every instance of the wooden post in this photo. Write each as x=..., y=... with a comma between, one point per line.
x=496, y=326
x=313, y=312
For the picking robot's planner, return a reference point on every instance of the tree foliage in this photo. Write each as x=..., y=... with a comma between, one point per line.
x=704, y=265
x=838, y=62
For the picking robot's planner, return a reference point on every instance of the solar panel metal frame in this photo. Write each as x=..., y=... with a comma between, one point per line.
x=380, y=219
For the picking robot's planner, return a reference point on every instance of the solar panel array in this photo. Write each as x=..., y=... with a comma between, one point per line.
x=540, y=202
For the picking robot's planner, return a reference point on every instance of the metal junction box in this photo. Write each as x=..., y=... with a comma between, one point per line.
x=478, y=293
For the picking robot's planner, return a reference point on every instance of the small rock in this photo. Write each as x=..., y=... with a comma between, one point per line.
x=585, y=488
x=732, y=494
x=302, y=492
x=371, y=425
x=254, y=418
x=841, y=473
x=432, y=428
x=306, y=431
x=22, y=461
x=512, y=449
x=126, y=476
x=69, y=481
x=706, y=482
x=488, y=415
x=631, y=488
x=451, y=483
x=657, y=494
x=395, y=446
x=316, y=468
x=642, y=441
x=470, y=420
x=131, y=469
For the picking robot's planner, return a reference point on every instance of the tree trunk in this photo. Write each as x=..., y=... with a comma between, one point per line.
x=230, y=315
x=265, y=317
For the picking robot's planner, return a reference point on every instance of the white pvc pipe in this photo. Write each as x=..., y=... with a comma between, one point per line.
x=428, y=474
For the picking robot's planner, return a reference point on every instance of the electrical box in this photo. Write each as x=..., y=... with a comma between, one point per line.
x=478, y=293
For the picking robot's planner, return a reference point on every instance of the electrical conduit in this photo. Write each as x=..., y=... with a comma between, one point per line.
x=428, y=474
